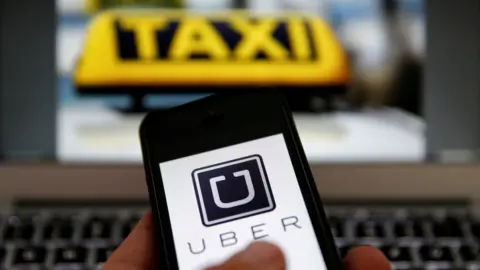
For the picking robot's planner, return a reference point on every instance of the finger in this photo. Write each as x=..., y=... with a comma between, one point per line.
x=257, y=256
x=366, y=258
x=137, y=250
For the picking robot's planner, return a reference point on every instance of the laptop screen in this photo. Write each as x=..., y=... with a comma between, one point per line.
x=116, y=60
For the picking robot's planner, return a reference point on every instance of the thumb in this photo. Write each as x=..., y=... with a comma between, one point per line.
x=257, y=256
x=137, y=251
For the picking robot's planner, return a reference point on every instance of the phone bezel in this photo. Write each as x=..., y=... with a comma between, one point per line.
x=238, y=117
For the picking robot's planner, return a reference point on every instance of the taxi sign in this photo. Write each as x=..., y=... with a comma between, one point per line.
x=158, y=48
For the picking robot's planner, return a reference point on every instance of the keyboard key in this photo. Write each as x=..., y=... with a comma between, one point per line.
x=66, y=267
x=30, y=255
x=476, y=229
x=104, y=253
x=338, y=226
x=449, y=227
x=370, y=229
x=403, y=266
x=19, y=228
x=435, y=253
x=59, y=228
x=129, y=225
x=409, y=228
x=98, y=228
x=470, y=253
x=2, y=255
x=344, y=250
x=73, y=254
x=397, y=254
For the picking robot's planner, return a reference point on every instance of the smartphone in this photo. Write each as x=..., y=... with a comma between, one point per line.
x=227, y=170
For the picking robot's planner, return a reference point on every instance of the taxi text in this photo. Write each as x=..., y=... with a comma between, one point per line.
x=196, y=38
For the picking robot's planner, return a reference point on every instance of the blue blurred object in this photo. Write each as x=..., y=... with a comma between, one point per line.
x=68, y=96
x=345, y=10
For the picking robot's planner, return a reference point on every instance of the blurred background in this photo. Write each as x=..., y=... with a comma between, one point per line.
x=390, y=107
x=379, y=101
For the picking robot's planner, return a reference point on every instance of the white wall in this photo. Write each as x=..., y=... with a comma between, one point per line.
x=69, y=47
x=70, y=6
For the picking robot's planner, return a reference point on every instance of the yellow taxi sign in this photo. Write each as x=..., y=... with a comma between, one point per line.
x=157, y=48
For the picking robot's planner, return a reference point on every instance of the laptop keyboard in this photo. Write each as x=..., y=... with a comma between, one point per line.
x=80, y=238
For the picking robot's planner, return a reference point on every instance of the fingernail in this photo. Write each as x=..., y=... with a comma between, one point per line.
x=264, y=254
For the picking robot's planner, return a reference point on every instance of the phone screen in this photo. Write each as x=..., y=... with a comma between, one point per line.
x=221, y=200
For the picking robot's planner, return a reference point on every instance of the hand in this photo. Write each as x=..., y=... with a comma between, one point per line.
x=137, y=252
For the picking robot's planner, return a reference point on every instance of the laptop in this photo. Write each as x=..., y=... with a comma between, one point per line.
x=72, y=183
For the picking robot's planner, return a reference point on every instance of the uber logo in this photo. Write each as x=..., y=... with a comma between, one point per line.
x=232, y=190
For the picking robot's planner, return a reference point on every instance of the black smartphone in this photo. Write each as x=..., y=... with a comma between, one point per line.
x=227, y=170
